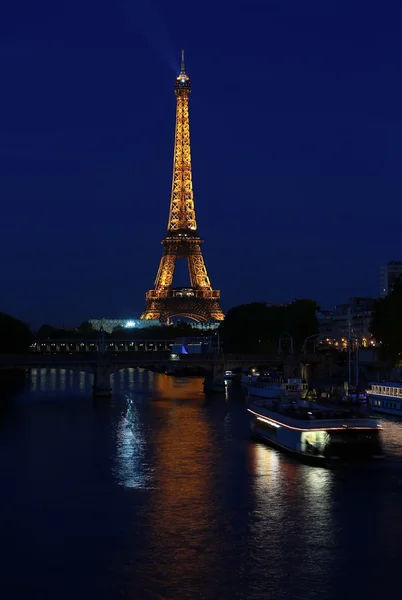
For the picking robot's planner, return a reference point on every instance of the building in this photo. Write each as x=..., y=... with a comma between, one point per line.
x=110, y=324
x=335, y=324
x=389, y=276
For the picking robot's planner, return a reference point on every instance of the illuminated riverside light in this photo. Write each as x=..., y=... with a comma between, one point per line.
x=130, y=324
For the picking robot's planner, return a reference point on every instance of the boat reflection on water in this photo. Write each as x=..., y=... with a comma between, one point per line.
x=291, y=523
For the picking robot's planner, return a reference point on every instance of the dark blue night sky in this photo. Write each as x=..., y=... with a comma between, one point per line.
x=297, y=148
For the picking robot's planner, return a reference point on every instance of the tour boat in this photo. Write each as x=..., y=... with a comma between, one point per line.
x=276, y=387
x=385, y=397
x=320, y=434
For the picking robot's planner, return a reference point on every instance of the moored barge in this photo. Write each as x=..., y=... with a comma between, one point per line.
x=318, y=433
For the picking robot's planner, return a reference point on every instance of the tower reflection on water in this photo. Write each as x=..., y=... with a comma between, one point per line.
x=180, y=512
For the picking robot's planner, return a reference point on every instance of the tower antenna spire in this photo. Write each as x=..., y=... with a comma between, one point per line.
x=183, y=70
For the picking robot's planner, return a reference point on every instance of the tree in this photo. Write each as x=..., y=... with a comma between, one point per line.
x=256, y=327
x=86, y=327
x=15, y=336
x=251, y=328
x=386, y=325
x=119, y=332
x=46, y=332
x=301, y=321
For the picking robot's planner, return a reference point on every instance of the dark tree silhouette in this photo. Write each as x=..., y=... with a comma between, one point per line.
x=15, y=336
x=257, y=327
x=386, y=325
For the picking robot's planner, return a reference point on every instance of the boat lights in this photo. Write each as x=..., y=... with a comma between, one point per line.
x=340, y=428
x=268, y=421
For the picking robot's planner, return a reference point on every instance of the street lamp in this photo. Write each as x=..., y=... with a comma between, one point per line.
x=280, y=342
x=310, y=337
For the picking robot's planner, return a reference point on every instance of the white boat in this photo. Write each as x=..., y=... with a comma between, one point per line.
x=318, y=434
x=277, y=388
x=385, y=397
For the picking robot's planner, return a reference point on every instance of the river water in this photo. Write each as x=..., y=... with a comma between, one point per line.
x=160, y=495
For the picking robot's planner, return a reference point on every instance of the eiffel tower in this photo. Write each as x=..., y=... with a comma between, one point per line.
x=198, y=301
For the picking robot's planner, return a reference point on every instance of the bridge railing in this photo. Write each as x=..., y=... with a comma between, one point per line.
x=112, y=345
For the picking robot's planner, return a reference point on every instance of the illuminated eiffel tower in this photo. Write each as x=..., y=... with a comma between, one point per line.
x=198, y=301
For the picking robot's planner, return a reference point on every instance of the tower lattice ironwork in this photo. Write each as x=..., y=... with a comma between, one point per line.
x=198, y=301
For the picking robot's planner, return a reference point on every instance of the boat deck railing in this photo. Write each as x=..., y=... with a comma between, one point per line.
x=307, y=413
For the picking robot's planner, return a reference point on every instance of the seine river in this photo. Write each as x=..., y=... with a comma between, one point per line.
x=160, y=495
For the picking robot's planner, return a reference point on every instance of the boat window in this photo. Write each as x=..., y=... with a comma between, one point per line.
x=313, y=442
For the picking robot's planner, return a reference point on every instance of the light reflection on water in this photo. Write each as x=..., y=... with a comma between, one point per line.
x=392, y=436
x=163, y=496
x=58, y=382
x=290, y=528
x=131, y=469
